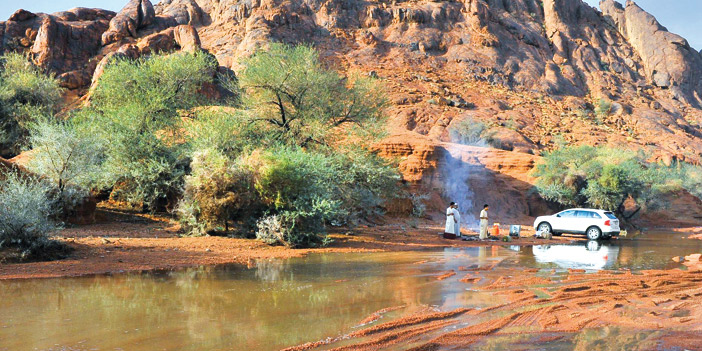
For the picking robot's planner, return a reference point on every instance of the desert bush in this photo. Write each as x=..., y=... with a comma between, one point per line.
x=217, y=193
x=471, y=132
x=26, y=94
x=64, y=154
x=137, y=105
x=294, y=100
x=26, y=211
x=419, y=208
x=603, y=178
x=309, y=190
x=603, y=109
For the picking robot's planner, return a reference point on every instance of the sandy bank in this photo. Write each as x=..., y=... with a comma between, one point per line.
x=123, y=242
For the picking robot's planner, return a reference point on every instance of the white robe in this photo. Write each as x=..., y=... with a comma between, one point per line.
x=450, y=223
x=483, y=224
x=457, y=224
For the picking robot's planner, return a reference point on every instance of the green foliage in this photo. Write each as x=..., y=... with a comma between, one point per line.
x=153, y=88
x=419, y=207
x=217, y=192
x=26, y=209
x=603, y=178
x=603, y=109
x=25, y=95
x=294, y=100
x=471, y=132
x=307, y=190
x=136, y=105
x=65, y=154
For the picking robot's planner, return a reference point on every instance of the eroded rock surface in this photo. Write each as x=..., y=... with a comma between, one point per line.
x=135, y=15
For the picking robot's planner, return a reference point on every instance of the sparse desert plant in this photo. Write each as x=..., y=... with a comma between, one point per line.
x=65, y=155
x=27, y=209
x=26, y=94
x=471, y=132
x=419, y=207
x=603, y=109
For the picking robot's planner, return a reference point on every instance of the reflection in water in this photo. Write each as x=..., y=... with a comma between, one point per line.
x=649, y=251
x=277, y=303
x=280, y=303
x=592, y=255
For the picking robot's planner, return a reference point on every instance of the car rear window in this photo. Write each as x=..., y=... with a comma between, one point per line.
x=610, y=215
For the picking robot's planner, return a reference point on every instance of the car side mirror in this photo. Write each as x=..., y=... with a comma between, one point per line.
x=558, y=215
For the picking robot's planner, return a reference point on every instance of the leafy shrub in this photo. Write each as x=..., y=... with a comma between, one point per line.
x=419, y=208
x=64, y=154
x=217, y=192
x=25, y=95
x=137, y=104
x=308, y=190
x=603, y=109
x=603, y=178
x=26, y=211
x=471, y=132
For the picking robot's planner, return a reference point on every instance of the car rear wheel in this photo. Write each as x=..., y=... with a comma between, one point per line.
x=594, y=233
x=544, y=227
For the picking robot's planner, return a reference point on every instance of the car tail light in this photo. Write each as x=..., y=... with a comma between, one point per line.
x=608, y=222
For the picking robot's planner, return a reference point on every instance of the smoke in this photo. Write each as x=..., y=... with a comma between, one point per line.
x=455, y=174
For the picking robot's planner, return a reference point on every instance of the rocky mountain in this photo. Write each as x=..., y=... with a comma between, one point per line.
x=539, y=73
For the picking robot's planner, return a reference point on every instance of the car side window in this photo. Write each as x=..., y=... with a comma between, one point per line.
x=582, y=214
x=595, y=215
x=568, y=214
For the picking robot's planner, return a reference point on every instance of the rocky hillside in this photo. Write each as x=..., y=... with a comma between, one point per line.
x=540, y=73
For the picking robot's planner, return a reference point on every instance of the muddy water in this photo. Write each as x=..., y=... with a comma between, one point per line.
x=653, y=250
x=272, y=305
x=282, y=303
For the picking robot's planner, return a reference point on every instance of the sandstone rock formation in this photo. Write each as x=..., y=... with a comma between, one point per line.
x=538, y=73
x=668, y=60
x=135, y=15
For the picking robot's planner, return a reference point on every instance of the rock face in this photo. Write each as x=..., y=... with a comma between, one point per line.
x=135, y=15
x=668, y=60
x=537, y=73
x=75, y=44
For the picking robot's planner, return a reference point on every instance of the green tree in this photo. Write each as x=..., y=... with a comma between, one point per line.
x=604, y=178
x=65, y=154
x=137, y=106
x=25, y=95
x=295, y=100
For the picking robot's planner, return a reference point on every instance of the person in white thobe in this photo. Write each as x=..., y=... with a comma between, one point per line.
x=450, y=220
x=484, y=223
x=457, y=217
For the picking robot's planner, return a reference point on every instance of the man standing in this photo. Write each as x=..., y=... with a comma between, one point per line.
x=450, y=220
x=457, y=220
x=484, y=223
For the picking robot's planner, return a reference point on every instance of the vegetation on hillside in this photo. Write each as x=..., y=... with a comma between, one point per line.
x=26, y=95
x=270, y=160
x=605, y=178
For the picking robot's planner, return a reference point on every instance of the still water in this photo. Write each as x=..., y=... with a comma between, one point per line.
x=279, y=303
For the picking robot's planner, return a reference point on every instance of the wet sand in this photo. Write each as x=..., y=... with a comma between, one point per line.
x=661, y=308
x=128, y=242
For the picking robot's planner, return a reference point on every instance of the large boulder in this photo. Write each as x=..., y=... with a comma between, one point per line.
x=668, y=59
x=135, y=15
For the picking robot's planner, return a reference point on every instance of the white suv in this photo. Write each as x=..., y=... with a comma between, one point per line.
x=596, y=224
